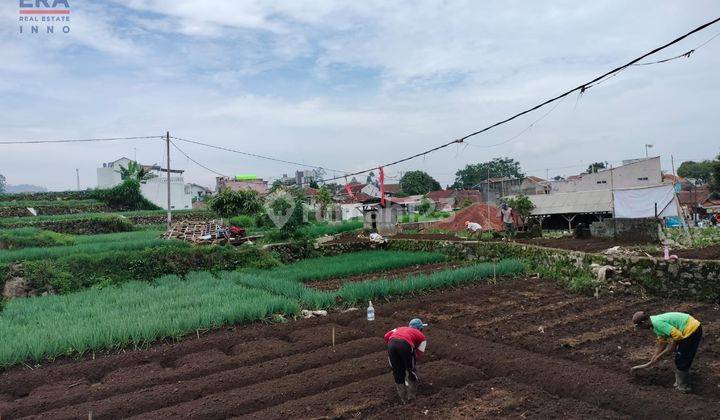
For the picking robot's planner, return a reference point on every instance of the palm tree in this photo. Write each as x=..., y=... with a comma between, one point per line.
x=134, y=171
x=324, y=198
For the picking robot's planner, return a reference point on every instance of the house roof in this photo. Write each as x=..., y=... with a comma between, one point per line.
x=693, y=197
x=440, y=194
x=472, y=195
x=392, y=188
x=536, y=179
x=311, y=192
x=597, y=201
x=671, y=177
x=406, y=200
x=161, y=169
x=711, y=202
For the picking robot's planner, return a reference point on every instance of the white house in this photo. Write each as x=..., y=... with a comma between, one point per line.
x=155, y=188
x=637, y=173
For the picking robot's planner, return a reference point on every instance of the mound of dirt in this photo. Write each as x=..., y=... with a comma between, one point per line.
x=484, y=214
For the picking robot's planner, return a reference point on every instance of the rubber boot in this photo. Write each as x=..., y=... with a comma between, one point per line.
x=402, y=392
x=411, y=390
x=682, y=379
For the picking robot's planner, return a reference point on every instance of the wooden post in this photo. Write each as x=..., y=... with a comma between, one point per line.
x=167, y=148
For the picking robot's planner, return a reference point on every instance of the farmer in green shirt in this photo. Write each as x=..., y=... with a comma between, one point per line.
x=676, y=332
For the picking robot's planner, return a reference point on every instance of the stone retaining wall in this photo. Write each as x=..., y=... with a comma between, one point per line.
x=626, y=229
x=692, y=279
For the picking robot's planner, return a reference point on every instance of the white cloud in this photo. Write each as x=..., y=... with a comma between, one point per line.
x=354, y=84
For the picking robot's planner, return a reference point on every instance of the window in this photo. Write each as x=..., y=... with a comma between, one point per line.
x=602, y=182
x=644, y=178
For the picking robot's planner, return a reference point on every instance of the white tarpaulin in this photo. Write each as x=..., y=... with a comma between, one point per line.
x=635, y=203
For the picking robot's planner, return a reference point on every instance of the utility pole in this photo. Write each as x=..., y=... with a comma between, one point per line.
x=647, y=146
x=672, y=162
x=167, y=148
x=77, y=178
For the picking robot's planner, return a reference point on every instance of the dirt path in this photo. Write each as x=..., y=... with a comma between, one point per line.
x=524, y=348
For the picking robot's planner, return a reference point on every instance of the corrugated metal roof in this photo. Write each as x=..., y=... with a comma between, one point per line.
x=599, y=201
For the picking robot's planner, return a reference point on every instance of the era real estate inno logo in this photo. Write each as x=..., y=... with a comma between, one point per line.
x=44, y=16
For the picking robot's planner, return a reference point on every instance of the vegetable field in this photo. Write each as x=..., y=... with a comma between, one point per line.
x=138, y=313
x=487, y=357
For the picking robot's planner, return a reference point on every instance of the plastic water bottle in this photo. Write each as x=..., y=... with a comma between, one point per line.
x=370, y=312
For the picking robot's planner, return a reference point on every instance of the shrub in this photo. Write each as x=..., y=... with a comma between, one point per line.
x=124, y=196
x=522, y=205
x=242, y=221
x=370, y=289
x=353, y=264
x=79, y=271
x=78, y=225
x=228, y=203
x=33, y=237
x=316, y=230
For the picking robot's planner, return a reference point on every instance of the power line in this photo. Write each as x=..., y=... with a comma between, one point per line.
x=583, y=87
x=686, y=54
x=255, y=155
x=195, y=161
x=79, y=140
x=526, y=129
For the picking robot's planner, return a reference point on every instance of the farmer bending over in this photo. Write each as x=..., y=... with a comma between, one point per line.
x=474, y=229
x=676, y=332
x=404, y=345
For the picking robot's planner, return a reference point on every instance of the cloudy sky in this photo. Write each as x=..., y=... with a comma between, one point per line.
x=350, y=85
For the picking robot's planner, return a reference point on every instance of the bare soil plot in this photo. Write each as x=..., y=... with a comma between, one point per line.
x=517, y=349
x=573, y=244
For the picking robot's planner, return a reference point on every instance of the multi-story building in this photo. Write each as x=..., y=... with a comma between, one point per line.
x=154, y=188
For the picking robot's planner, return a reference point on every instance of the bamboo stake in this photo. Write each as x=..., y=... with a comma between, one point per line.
x=333, y=338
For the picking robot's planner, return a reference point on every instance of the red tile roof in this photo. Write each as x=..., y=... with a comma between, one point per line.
x=392, y=188
x=698, y=196
x=440, y=194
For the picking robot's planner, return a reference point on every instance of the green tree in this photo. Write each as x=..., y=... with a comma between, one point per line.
x=425, y=206
x=418, y=182
x=2, y=183
x=313, y=184
x=124, y=196
x=279, y=206
x=276, y=185
x=594, y=167
x=228, y=203
x=522, y=205
x=324, y=198
x=696, y=170
x=472, y=175
x=715, y=178
x=134, y=171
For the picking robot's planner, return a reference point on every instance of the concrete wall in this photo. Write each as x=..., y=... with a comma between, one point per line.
x=626, y=229
x=155, y=190
x=643, y=173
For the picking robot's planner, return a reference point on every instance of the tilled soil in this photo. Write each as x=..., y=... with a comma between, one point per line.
x=585, y=245
x=426, y=236
x=523, y=348
x=707, y=253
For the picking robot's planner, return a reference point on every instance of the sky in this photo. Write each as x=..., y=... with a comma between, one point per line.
x=350, y=85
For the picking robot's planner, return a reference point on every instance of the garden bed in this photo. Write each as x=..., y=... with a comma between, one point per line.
x=398, y=273
x=584, y=245
x=707, y=253
x=427, y=236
